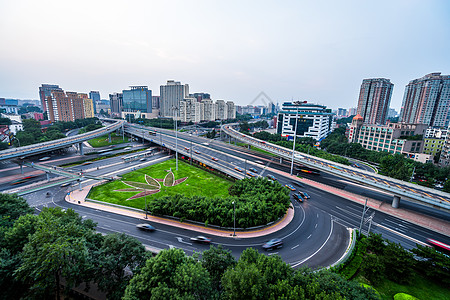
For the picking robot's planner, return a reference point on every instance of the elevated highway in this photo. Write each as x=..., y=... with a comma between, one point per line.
x=23, y=152
x=399, y=189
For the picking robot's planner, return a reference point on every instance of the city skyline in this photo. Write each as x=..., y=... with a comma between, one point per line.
x=232, y=50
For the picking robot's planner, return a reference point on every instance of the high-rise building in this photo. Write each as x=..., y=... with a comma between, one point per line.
x=352, y=111
x=116, y=102
x=45, y=91
x=170, y=96
x=231, y=110
x=200, y=96
x=341, y=112
x=374, y=99
x=312, y=120
x=65, y=106
x=137, y=99
x=155, y=102
x=88, y=108
x=427, y=100
x=95, y=96
x=190, y=110
x=208, y=110
x=221, y=110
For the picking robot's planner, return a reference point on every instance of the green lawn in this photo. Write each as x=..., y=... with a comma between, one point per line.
x=420, y=287
x=199, y=182
x=103, y=140
x=256, y=149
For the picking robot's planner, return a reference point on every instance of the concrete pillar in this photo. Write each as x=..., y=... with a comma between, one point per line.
x=281, y=160
x=396, y=201
x=109, y=137
x=80, y=146
x=48, y=176
x=248, y=146
x=79, y=185
x=21, y=169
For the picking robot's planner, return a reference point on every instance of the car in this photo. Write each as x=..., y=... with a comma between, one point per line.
x=186, y=148
x=238, y=169
x=272, y=244
x=214, y=158
x=146, y=227
x=271, y=177
x=290, y=186
x=251, y=174
x=259, y=162
x=196, y=152
x=253, y=170
x=201, y=239
x=87, y=163
x=304, y=195
x=44, y=158
x=127, y=148
x=297, y=197
x=65, y=184
x=143, y=159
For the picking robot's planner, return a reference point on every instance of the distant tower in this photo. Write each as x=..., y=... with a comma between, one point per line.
x=170, y=96
x=374, y=99
x=95, y=96
x=426, y=100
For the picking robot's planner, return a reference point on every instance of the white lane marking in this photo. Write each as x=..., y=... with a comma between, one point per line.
x=329, y=235
x=295, y=247
x=315, y=226
x=350, y=213
x=317, y=215
x=402, y=235
x=308, y=236
x=273, y=253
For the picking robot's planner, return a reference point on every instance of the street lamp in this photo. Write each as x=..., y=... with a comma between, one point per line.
x=295, y=135
x=175, y=116
x=234, y=218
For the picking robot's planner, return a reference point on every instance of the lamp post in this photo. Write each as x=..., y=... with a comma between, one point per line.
x=234, y=218
x=175, y=117
x=295, y=135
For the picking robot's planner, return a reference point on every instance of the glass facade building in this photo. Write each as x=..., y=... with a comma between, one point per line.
x=138, y=98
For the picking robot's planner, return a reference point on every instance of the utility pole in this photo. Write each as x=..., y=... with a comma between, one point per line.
x=362, y=216
x=412, y=175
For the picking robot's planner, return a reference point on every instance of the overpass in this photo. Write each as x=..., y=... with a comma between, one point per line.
x=398, y=188
x=22, y=152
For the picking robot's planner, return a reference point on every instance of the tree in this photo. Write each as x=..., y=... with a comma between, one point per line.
x=170, y=275
x=3, y=146
x=434, y=264
x=216, y=261
x=57, y=249
x=11, y=208
x=119, y=258
x=398, y=263
x=5, y=121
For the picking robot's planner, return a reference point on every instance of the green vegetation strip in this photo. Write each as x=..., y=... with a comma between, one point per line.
x=103, y=141
x=202, y=197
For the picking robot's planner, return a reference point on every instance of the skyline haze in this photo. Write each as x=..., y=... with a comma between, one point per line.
x=319, y=52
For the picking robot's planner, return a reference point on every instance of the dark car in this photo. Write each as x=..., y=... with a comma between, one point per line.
x=146, y=227
x=304, y=195
x=273, y=244
x=201, y=239
x=297, y=197
x=298, y=184
x=253, y=170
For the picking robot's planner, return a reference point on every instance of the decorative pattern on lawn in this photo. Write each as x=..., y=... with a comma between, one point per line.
x=152, y=186
x=169, y=179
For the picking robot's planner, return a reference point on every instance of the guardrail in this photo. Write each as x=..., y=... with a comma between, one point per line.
x=57, y=144
x=306, y=160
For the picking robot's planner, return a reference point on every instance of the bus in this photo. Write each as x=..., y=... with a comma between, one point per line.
x=152, y=132
x=22, y=180
x=307, y=170
x=439, y=246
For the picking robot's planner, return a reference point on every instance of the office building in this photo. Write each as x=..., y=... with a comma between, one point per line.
x=45, y=91
x=427, y=100
x=315, y=121
x=221, y=110
x=9, y=106
x=352, y=111
x=95, y=96
x=155, y=102
x=88, y=106
x=170, y=96
x=231, y=110
x=200, y=96
x=208, y=110
x=341, y=112
x=374, y=99
x=137, y=102
x=116, y=103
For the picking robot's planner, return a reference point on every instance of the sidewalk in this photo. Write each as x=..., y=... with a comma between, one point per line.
x=78, y=197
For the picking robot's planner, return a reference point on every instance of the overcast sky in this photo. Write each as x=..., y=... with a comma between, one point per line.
x=318, y=51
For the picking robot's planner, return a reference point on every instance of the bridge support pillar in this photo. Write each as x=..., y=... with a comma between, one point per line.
x=123, y=133
x=248, y=146
x=48, y=176
x=109, y=137
x=396, y=201
x=79, y=185
x=21, y=169
x=235, y=142
x=281, y=160
x=80, y=146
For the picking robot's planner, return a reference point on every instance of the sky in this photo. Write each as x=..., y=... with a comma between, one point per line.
x=318, y=51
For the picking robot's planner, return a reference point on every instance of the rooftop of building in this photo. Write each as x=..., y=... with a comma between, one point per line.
x=358, y=117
